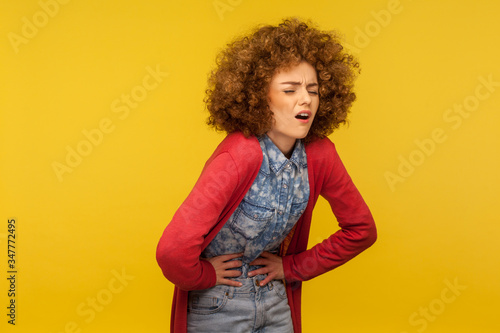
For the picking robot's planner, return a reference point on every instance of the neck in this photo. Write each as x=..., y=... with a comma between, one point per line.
x=284, y=144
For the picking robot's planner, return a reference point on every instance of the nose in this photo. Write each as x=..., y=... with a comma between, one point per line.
x=305, y=98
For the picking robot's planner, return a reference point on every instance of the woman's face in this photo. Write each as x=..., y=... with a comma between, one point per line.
x=293, y=99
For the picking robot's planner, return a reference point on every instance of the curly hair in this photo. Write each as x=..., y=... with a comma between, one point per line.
x=236, y=97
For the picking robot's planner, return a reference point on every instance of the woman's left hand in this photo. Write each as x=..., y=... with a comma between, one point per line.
x=273, y=267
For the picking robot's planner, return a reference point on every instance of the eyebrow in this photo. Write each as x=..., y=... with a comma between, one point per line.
x=296, y=83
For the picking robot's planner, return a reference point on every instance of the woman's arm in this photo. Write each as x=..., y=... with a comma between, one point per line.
x=178, y=251
x=357, y=233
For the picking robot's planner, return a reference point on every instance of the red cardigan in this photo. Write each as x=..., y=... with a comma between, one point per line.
x=224, y=181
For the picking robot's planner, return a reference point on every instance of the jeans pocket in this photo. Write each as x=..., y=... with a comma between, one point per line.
x=206, y=302
x=280, y=289
x=251, y=220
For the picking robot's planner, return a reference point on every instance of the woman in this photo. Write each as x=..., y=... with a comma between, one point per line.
x=236, y=249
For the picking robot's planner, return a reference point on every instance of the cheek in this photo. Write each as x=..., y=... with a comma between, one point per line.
x=276, y=104
x=272, y=98
x=315, y=106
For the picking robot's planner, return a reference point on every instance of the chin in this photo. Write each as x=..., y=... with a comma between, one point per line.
x=303, y=135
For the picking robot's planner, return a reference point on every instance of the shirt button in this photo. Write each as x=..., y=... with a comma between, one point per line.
x=280, y=212
x=285, y=186
x=255, y=216
x=288, y=166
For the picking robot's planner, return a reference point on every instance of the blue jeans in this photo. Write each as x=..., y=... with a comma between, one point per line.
x=249, y=308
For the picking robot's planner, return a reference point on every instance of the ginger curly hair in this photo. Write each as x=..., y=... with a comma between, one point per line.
x=236, y=97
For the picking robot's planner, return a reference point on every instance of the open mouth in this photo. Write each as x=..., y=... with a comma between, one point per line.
x=303, y=116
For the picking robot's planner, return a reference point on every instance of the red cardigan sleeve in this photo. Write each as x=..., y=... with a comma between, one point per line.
x=178, y=251
x=357, y=227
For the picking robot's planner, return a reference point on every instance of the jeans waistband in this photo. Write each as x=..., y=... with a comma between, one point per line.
x=251, y=285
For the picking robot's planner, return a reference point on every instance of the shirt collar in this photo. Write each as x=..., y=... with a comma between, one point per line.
x=278, y=161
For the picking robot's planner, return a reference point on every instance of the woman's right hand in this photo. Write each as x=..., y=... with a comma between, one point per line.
x=223, y=264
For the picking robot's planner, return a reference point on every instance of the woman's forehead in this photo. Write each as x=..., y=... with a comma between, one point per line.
x=303, y=72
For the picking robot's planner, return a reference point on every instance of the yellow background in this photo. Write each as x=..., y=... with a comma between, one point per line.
x=438, y=223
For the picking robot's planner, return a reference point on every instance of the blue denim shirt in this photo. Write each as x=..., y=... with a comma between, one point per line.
x=270, y=208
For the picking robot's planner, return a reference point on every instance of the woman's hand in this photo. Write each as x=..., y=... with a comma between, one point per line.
x=273, y=267
x=222, y=265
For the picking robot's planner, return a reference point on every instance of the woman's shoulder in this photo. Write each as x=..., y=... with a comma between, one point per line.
x=322, y=156
x=321, y=147
x=244, y=151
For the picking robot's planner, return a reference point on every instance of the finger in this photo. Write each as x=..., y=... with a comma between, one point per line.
x=227, y=257
x=231, y=273
x=265, y=281
x=268, y=255
x=230, y=283
x=263, y=270
x=223, y=258
x=265, y=258
x=231, y=264
x=259, y=262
